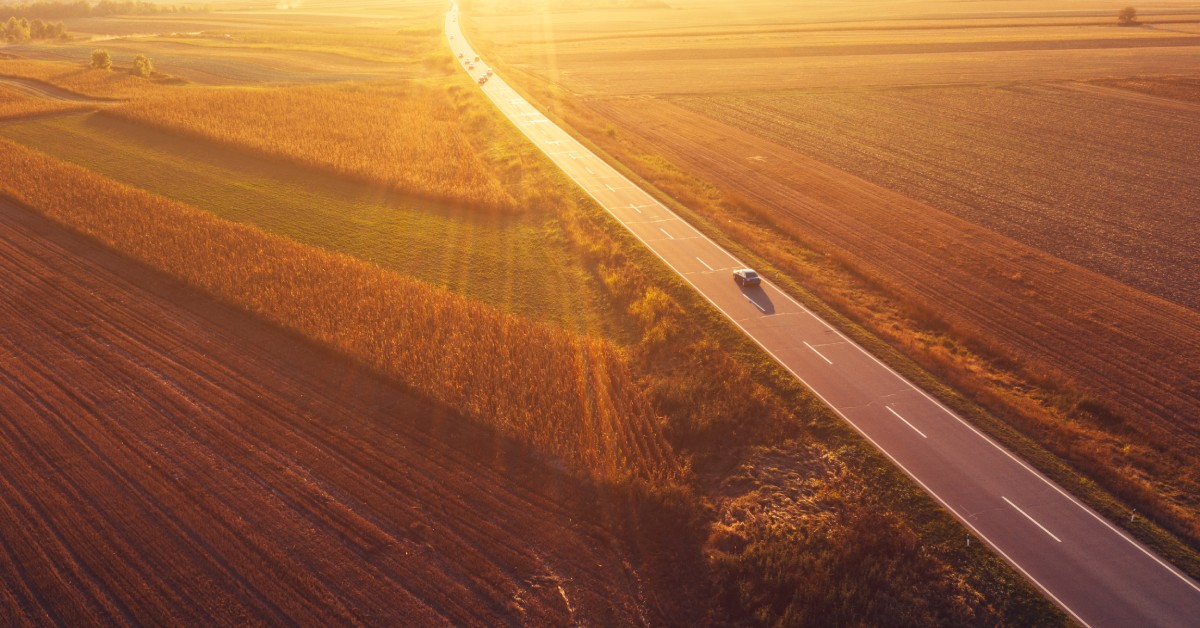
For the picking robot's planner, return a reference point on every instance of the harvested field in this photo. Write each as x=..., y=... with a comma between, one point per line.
x=1136, y=352
x=166, y=460
x=1106, y=179
x=713, y=47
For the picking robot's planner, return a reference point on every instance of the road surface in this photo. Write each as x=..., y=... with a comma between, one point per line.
x=1094, y=571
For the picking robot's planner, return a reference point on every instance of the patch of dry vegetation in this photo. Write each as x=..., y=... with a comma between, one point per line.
x=405, y=136
x=570, y=396
x=81, y=78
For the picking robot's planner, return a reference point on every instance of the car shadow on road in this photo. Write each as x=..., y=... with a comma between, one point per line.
x=757, y=296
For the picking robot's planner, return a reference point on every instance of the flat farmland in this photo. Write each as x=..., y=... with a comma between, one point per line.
x=703, y=46
x=1117, y=171
x=241, y=473
x=1003, y=196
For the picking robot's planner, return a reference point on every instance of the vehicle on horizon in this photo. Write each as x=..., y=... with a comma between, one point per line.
x=746, y=277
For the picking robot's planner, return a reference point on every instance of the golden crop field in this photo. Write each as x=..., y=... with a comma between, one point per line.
x=404, y=136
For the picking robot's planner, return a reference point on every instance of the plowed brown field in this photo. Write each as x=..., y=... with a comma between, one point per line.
x=165, y=459
x=1139, y=353
x=1106, y=178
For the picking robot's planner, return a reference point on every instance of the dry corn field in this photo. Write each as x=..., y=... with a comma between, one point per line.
x=524, y=378
x=404, y=136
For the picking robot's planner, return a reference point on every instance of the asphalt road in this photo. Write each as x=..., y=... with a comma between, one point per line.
x=1093, y=570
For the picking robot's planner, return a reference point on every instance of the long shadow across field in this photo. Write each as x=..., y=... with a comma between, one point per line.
x=502, y=259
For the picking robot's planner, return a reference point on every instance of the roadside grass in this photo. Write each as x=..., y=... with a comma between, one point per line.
x=967, y=373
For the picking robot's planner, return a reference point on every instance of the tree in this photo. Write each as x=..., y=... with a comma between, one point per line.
x=15, y=30
x=101, y=60
x=142, y=66
x=1127, y=17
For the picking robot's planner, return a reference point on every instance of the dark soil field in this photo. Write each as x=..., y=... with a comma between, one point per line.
x=168, y=460
x=1106, y=178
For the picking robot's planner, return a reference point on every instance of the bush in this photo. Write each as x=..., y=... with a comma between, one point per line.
x=101, y=60
x=1127, y=17
x=142, y=66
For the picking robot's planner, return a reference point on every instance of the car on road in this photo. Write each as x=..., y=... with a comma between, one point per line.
x=482, y=80
x=489, y=72
x=746, y=277
x=476, y=59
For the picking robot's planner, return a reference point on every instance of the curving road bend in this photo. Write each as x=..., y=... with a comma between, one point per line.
x=1097, y=573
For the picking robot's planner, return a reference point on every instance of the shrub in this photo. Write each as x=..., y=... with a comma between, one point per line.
x=1127, y=17
x=142, y=66
x=101, y=60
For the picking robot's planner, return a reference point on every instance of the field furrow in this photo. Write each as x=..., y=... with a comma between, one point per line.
x=151, y=483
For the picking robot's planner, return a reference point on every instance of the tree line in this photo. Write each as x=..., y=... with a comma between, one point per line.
x=79, y=8
x=18, y=30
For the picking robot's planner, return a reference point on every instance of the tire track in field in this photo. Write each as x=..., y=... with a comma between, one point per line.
x=42, y=89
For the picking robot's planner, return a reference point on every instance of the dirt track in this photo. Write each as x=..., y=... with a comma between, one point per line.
x=41, y=89
x=164, y=459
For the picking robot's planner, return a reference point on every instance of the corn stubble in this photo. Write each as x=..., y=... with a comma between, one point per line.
x=569, y=396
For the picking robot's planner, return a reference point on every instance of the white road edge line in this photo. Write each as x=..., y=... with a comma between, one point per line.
x=705, y=263
x=1018, y=509
x=914, y=428
x=814, y=350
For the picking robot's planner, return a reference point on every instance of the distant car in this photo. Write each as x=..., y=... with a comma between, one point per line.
x=460, y=55
x=482, y=80
x=745, y=277
x=489, y=73
x=476, y=59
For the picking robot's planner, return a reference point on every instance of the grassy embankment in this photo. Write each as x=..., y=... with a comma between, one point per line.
x=1041, y=415
x=798, y=502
